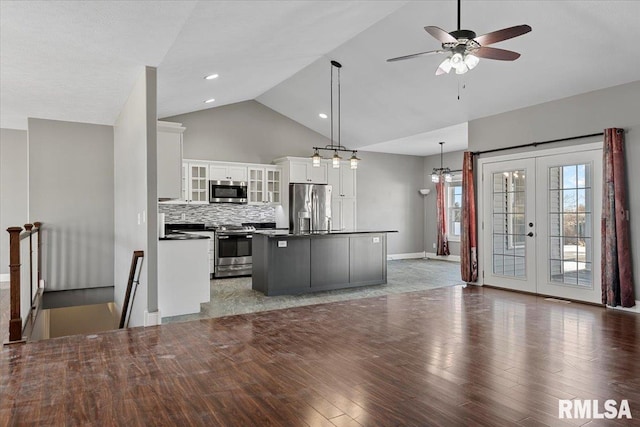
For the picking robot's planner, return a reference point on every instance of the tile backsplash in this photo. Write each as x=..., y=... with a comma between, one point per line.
x=217, y=213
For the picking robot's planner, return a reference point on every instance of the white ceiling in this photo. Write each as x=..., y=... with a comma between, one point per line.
x=253, y=46
x=78, y=61
x=575, y=47
x=426, y=143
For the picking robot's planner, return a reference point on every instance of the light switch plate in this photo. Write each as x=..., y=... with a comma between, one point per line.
x=282, y=243
x=376, y=240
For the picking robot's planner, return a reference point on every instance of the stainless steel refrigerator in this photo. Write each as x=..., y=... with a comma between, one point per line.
x=309, y=208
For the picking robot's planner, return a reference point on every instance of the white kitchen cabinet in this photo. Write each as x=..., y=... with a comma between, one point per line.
x=169, y=161
x=302, y=171
x=265, y=185
x=343, y=180
x=196, y=182
x=343, y=213
x=227, y=172
x=210, y=235
x=183, y=279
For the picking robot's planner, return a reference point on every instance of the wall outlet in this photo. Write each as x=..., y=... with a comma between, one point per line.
x=434, y=246
x=183, y=216
x=376, y=240
x=282, y=243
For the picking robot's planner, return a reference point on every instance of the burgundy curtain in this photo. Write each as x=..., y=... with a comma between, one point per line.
x=617, y=274
x=443, y=244
x=469, y=238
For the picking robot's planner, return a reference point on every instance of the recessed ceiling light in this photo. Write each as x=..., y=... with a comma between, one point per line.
x=211, y=77
x=208, y=101
x=323, y=115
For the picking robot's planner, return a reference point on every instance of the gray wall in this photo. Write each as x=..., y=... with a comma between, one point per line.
x=135, y=198
x=388, y=199
x=71, y=192
x=453, y=161
x=618, y=106
x=13, y=187
x=244, y=132
x=251, y=132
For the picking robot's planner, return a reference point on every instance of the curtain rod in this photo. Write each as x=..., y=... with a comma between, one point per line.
x=535, y=144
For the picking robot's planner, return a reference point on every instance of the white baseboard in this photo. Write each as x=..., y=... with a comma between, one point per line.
x=405, y=256
x=452, y=258
x=152, y=319
x=635, y=309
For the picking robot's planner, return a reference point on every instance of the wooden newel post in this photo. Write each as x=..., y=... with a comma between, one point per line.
x=15, y=323
x=38, y=225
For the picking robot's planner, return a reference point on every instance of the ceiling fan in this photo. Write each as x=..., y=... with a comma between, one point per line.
x=464, y=49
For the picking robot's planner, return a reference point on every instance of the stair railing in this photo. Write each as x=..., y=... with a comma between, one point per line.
x=26, y=284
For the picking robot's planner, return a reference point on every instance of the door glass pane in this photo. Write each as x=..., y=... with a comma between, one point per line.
x=570, y=225
x=509, y=228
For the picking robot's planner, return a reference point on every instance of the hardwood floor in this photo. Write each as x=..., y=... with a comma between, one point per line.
x=448, y=356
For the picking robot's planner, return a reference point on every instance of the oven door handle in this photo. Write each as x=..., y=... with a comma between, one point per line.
x=223, y=237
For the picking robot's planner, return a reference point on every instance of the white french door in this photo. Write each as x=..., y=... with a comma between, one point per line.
x=509, y=224
x=540, y=224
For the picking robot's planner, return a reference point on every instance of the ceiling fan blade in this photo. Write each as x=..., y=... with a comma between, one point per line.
x=504, y=34
x=440, y=34
x=401, y=58
x=495, y=53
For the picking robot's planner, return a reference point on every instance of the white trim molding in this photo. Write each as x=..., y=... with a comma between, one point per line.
x=451, y=258
x=634, y=309
x=4, y=278
x=414, y=255
x=152, y=319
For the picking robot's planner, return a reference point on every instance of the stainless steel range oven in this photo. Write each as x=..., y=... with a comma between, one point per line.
x=233, y=250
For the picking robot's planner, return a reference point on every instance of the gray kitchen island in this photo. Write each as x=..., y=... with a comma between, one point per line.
x=288, y=264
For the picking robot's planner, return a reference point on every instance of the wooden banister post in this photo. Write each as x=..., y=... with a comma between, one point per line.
x=38, y=225
x=15, y=323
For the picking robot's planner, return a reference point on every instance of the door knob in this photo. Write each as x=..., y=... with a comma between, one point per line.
x=530, y=234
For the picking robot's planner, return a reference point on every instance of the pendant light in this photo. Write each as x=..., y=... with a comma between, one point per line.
x=441, y=174
x=353, y=161
x=316, y=158
x=336, y=147
x=335, y=160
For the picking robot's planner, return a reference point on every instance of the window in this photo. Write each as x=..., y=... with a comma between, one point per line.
x=454, y=208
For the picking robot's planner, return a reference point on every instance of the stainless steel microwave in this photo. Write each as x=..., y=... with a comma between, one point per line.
x=228, y=192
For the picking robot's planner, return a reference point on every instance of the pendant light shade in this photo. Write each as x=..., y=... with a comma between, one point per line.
x=316, y=158
x=353, y=161
x=335, y=160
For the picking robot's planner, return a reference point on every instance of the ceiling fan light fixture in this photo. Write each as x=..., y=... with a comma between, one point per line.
x=456, y=60
x=445, y=65
x=462, y=69
x=471, y=61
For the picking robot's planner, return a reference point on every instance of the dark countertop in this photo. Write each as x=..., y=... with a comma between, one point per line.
x=286, y=233
x=182, y=236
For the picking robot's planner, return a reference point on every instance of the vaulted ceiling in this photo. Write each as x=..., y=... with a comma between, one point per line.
x=78, y=61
